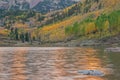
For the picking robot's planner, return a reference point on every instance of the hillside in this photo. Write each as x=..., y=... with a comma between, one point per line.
x=42, y=6
x=88, y=19
x=52, y=5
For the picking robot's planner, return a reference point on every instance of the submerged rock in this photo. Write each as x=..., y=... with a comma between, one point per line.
x=91, y=72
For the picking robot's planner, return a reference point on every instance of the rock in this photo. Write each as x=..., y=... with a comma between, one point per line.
x=91, y=72
x=116, y=49
x=89, y=43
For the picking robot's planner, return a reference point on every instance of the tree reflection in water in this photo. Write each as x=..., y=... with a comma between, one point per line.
x=18, y=67
x=50, y=63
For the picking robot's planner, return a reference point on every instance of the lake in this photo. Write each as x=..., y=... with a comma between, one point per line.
x=57, y=63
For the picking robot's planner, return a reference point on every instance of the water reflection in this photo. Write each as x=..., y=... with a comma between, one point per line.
x=1, y=65
x=50, y=63
x=18, y=66
x=68, y=62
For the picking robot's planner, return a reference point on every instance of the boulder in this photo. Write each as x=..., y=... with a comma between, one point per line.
x=91, y=72
x=115, y=49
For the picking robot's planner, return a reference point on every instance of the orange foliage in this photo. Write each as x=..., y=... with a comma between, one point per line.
x=61, y=24
x=3, y=31
x=111, y=3
x=56, y=31
x=20, y=25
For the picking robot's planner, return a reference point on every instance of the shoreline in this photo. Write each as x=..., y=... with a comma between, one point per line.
x=113, y=41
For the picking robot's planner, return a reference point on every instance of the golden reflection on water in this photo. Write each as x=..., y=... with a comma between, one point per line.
x=1, y=65
x=18, y=66
x=56, y=64
x=69, y=63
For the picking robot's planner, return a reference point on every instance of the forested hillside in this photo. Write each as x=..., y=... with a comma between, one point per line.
x=88, y=19
x=42, y=6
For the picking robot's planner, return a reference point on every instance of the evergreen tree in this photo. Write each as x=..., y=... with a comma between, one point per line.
x=27, y=36
x=22, y=37
x=16, y=34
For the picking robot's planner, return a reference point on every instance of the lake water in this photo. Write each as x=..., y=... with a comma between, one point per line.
x=34, y=63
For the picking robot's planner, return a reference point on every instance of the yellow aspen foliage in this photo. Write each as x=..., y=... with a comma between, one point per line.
x=20, y=25
x=33, y=34
x=90, y=27
x=97, y=13
x=110, y=3
x=57, y=31
x=4, y=32
x=106, y=26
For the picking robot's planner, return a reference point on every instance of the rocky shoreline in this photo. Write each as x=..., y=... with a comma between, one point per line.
x=107, y=42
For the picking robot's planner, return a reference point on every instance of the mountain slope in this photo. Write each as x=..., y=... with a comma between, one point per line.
x=88, y=17
x=42, y=6
x=51, y=5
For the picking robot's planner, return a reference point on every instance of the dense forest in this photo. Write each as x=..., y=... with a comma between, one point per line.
x=88, y=18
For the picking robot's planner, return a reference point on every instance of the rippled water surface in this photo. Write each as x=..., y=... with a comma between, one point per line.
x=23, y=63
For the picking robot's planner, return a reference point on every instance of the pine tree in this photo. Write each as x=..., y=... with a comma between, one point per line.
x=27, y=36
x=16, y=34
x=22, y=37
